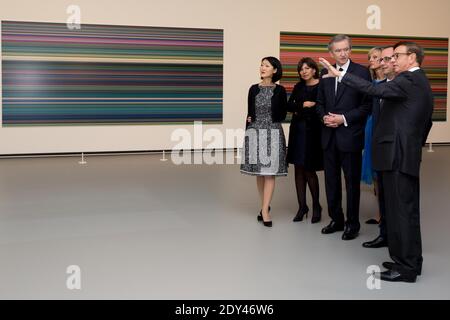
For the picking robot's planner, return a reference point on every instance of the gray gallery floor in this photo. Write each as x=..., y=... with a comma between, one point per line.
x=139, y=228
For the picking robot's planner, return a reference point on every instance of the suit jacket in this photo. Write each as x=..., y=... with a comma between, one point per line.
x=353, y=104
x=404, y=121
x=278, y=103
x=376, y=106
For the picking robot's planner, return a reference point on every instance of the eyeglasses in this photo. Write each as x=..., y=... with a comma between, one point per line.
x=395, y=56
x=385, y=59
x=340, y=50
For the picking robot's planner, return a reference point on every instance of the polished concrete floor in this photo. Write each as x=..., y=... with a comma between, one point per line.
x=140, y=228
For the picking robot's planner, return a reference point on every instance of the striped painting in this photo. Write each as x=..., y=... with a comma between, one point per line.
x=294, y=46
x=110, y=75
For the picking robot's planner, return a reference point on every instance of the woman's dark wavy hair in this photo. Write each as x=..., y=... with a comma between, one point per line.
x=277, y=65
x=310, y=63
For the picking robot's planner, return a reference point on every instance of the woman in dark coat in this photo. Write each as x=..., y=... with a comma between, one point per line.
x=304, y=148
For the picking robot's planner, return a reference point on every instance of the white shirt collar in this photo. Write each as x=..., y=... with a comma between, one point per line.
x=413, y=69
x=345, y=66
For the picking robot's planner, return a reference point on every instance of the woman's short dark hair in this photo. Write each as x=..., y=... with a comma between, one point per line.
x=310, y=63
x=274, y=62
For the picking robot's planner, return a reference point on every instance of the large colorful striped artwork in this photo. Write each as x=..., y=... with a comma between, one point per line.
x=295, y=45
x=110, y=75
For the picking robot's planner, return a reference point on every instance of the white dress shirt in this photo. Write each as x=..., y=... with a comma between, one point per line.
x=344, y=70
x=338, y=79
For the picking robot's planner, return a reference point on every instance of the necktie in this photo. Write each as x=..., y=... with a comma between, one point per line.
x=338, y=83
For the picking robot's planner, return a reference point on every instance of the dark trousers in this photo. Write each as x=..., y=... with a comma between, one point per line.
x=382, y=205
x=401, y=193
x=350, y=163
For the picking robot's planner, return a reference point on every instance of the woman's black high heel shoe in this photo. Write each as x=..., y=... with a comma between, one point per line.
x=266, y=223
x=300, y=213
x=317, y=214
x=260, y=215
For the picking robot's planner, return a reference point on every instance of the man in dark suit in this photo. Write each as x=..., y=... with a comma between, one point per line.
x=401, y=131
x=387, y=65
x=344, y=111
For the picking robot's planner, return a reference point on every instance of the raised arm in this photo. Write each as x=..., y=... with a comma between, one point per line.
x=396, y=88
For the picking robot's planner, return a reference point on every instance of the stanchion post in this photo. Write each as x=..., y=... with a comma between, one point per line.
x=82, y=159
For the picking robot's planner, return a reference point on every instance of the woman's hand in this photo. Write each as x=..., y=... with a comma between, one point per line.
x=308, y=104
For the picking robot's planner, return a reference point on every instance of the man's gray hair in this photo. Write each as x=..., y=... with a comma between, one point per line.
x=339, y=38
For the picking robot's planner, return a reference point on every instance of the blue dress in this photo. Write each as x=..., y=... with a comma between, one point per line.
x=367, y=173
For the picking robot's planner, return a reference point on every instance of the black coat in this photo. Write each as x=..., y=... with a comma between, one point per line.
x=278, y=103
x=305, y=129
x=353, y=104
x=404, y=121
x=299, y=95
x=376, y=106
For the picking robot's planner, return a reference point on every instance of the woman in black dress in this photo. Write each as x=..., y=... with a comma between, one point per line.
x=304, y=148
x=264, y=143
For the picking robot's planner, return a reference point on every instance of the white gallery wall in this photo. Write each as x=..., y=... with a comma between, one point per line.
x=251, y=31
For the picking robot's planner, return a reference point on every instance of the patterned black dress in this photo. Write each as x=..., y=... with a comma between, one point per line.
x=264, y=152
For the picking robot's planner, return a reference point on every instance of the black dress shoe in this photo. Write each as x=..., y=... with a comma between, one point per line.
x=390, y=265
x=349, y=234
x=333, y=227
x=395, y=276
x=300, y=213
x=372, y=221
x=378, y=242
